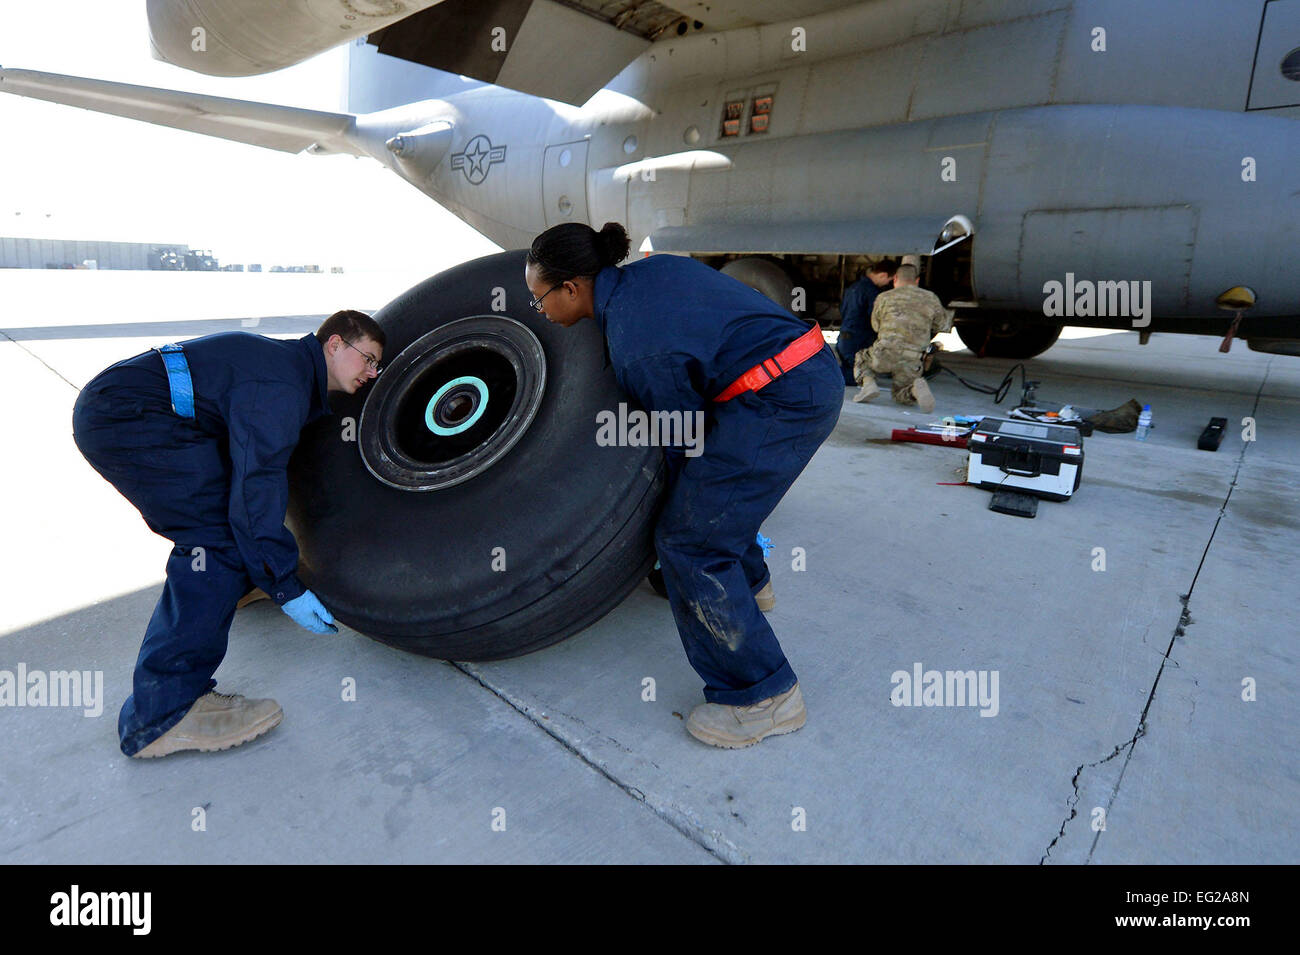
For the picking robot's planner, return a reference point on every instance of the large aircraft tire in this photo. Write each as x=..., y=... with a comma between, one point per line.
x=459, y=506
x=763, y=275
x=999, y=339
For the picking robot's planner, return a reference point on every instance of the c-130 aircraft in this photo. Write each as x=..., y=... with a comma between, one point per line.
x=1106, y=163
x=1102, y=163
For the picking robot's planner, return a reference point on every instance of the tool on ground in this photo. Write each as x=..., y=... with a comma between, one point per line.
x=1014, y=503
x=1212, y=436
x=1114, y=421
x=1041, y=459
x=1066, y=415
x=999, y=392
x=948, y=437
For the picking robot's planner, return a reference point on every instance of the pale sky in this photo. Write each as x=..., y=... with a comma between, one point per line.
x=73, y=174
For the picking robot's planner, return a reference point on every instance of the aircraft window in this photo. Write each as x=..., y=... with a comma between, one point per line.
x=1291, y=65
x=691, y=136
x=565, y=158
x=629, y=145
x=731, y=113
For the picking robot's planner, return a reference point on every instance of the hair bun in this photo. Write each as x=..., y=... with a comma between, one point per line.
x=613, y=243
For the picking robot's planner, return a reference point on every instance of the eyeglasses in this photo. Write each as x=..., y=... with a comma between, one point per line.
x=536, y=303
x=371, y=361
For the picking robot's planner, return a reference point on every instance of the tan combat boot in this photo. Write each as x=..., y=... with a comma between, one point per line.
x=868, y=390
x=765, y=598
x=735, y=727
x=924, y=398
x=217, y=721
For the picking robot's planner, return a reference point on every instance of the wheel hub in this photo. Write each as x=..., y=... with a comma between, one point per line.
x=452, y=403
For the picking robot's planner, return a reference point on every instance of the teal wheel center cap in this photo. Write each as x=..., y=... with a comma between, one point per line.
x=456, y=406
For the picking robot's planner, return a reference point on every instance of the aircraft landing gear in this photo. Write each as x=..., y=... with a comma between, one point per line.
x=765, y=276
x=1006, y=337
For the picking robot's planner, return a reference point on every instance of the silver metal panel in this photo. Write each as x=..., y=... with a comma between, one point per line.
x=1134, y=244
x=564, y=183
x=889, y=236
x=1142, y=157
x=975, y=13
x=862, y=91
x=1159, y=52
x=608, y=199
x=541, y=60
x=883, y=173
x=1007, y=65
x=1279, y=37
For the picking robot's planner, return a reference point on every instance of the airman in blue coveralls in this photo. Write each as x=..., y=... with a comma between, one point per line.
x=856, y=332
x=198, y=437
x=684, y=337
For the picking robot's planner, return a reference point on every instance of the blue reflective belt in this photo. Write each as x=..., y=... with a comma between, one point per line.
x=178, y=377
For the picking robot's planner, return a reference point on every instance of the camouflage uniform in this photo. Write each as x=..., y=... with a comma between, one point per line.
x=906, y=319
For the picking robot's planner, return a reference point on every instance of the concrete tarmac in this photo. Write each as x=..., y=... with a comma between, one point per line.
x=1141, y=635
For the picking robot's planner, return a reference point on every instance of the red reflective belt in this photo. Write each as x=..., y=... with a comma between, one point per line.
x=796, y=353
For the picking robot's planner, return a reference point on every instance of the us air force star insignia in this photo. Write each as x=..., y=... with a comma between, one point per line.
x=477, y=158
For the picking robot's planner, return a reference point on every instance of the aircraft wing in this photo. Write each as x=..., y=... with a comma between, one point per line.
x=259, y=124
x=565, y=50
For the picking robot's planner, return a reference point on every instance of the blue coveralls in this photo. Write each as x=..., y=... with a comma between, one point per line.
x=855, y=324
x=679, y=332
x=215, y=485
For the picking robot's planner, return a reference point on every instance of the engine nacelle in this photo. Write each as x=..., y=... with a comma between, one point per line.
x=247, y=37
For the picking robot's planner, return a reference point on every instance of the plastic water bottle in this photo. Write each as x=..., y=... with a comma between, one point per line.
x=1144, y=423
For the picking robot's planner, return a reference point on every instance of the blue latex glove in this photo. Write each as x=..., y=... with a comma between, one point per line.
x=307, y=611
x=764, y=543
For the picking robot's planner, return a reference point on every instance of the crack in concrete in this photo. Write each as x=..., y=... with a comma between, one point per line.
x=680, y=818
x=1180, y=630
x=1073, y=801
x=10, y=850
